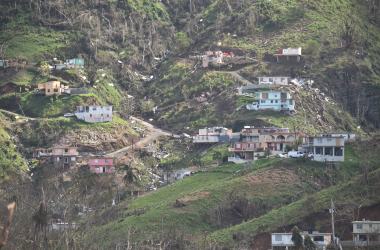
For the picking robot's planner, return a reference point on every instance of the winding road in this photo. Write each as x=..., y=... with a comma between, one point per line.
x=153, y=133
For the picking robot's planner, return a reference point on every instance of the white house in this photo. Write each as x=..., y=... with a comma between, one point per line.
x=274, y=100
x=283, y=241
x=94, y=113
x=326, y=148
x=212, y=135
x=366, y=233
x=273, y=80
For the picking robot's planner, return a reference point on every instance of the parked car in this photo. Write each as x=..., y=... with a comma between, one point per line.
x=282, y=155
x=295, y=154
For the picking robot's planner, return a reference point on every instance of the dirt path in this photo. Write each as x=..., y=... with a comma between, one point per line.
x=153, y=134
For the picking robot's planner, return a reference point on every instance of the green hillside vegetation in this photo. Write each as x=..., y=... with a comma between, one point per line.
x=10, y=158
x=260, y=192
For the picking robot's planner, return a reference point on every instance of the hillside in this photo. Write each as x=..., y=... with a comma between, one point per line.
x=146, y=59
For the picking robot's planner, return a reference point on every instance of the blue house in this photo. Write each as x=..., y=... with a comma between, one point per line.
x=272, y=100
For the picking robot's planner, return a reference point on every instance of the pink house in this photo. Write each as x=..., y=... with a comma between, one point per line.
x=101, y=165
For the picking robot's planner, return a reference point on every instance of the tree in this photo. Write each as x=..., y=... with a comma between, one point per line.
x=297, y=238
x=5, y=232
x=131, y=177
x=309, y=243
x=217, y=156
x=182, y=40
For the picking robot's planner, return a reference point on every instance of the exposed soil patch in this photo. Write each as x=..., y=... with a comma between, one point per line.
x=274, y=177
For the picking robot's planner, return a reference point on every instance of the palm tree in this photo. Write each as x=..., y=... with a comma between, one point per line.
x=131, y=176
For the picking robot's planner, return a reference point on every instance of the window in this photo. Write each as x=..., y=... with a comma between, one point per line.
x=290, y=102
x=276, y=101
x=90, y=115
x=282, y=79
x=94, y=108
x=359, y=226
x=270, y=79
x=262, y=101
x=338, y=151
x=319, y=150
x=264, y=95
x=108, y=115
x=329, y=139
x=66, y=150
x=329, y=151
x=278, y=237
x=318, y=238
x=271, y=101
x=48, y=90
x=67, y=160
x=319, y=140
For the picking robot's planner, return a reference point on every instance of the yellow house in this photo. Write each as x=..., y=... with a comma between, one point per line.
x=52, y=88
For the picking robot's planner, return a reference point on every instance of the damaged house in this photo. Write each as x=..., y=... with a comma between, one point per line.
x=52, y=88
x=288, y=54
x=60, y=156
x=101, y=165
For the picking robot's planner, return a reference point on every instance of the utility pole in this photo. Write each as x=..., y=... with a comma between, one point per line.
x=332, y=211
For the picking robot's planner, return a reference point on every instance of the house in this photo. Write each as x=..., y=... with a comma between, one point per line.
x=283, y=241
x=326, y=148
x=274, y=80
x=75, y=63
x=215, y=57
x=101, y=165
x=69, y=64
x=254, y=142
x=60, y=156
x=366, y=233
x=94, y=113
x=212, y=135
x=289, y=53
x=52, y=88
x=272, y=100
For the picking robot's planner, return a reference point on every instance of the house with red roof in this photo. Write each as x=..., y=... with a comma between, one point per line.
x=101, y=165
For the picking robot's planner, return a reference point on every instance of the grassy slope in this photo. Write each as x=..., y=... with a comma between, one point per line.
x=355, y=191
x=268, y=184
x=10, y=158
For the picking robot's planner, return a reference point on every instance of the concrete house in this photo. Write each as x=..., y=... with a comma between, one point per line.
x=52, y=88
x=101, y=165
x=289, y=53
x=327, y=148
x=94, y=113
x=255, y=141
x=212, y=135
x=366, y=233
x=283, y=241
x=61, y=156
x=75, y=63
x=272, y=100
x=273, y=80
